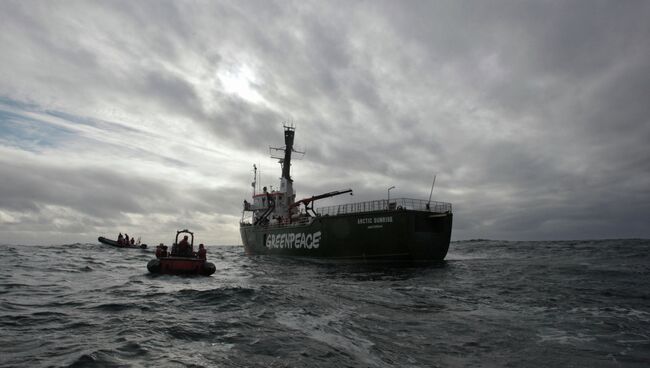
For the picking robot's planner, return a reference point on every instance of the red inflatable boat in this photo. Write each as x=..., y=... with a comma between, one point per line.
x=182, y=260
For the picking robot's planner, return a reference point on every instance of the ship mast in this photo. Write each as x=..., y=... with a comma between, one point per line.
x=286, y=183
x=284, y=197
x=289, y=133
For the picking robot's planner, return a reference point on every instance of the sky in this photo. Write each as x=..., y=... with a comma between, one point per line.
x=147, y=116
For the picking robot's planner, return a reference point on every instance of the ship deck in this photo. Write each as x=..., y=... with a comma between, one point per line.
x=367, y=207
x=384, y=205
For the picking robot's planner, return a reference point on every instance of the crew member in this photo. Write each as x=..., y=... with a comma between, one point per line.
x=184, y=247
x=202, y=253
x=132, y=241
x=126, y=239
x=120, y=239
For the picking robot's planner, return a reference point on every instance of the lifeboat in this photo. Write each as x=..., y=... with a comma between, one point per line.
x=182, y=260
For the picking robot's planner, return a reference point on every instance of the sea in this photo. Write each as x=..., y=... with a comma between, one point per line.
x=489, y=304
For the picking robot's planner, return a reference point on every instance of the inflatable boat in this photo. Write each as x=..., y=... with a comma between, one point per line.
x=114, y=243
x=182, y=260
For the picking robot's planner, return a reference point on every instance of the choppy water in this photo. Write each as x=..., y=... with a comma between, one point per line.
x=491, y=303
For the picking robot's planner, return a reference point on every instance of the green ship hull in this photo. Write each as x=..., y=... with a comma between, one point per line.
x=390, y=235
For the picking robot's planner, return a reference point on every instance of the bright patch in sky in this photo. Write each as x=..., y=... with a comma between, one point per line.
x=240, y=82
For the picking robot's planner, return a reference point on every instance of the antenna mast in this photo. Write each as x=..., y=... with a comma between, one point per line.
x=283, y=155
x=434, y=183
x=254, y=183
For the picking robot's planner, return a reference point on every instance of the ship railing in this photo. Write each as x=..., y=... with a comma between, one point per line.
x=383, y=205
x=302, y=221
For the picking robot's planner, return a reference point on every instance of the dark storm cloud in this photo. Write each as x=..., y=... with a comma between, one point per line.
x=534, y=115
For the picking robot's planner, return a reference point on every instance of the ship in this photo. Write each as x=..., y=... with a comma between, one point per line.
x=400, y=229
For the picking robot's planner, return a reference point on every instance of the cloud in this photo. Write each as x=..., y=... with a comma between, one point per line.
x=533, y=115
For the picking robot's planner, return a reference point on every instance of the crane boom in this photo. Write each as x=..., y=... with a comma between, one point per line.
x=307, y=201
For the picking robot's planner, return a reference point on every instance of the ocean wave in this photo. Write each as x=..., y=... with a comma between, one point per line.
x=217, y=295
x=96, y=359
x=113, y=307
